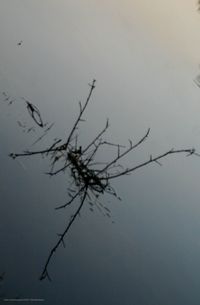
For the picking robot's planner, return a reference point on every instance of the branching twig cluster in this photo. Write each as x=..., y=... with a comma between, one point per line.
x=90, y=178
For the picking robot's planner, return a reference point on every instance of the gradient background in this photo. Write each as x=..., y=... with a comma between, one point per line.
x=145, y=56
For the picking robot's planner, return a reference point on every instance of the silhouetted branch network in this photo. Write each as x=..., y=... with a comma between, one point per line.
x=90, y=178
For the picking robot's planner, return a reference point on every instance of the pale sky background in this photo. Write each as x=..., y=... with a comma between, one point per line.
x=145, y=57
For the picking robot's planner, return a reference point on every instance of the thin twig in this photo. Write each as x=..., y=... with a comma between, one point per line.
x=71, y=200
x=151, y=160
x=45, y=273
x=92, y=86
x=126, y=152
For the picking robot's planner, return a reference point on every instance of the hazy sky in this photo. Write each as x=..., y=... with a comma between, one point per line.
x=145, y=57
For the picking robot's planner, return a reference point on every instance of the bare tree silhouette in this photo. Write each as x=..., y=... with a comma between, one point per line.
x=90, y=178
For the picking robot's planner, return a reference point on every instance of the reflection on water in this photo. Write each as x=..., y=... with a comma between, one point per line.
x=145, y=73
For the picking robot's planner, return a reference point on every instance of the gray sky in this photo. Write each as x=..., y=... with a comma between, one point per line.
x=145, y=56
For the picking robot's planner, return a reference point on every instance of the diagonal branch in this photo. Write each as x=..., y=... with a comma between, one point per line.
x=80, y=114
x=126, y=152
x=97, y=137
x=151, y=160
x=60, y=241
x=71, y=200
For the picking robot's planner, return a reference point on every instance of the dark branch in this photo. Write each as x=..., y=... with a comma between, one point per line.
x=92, y=86
x=151, y=160
x=45, y=273
x=126, y=152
